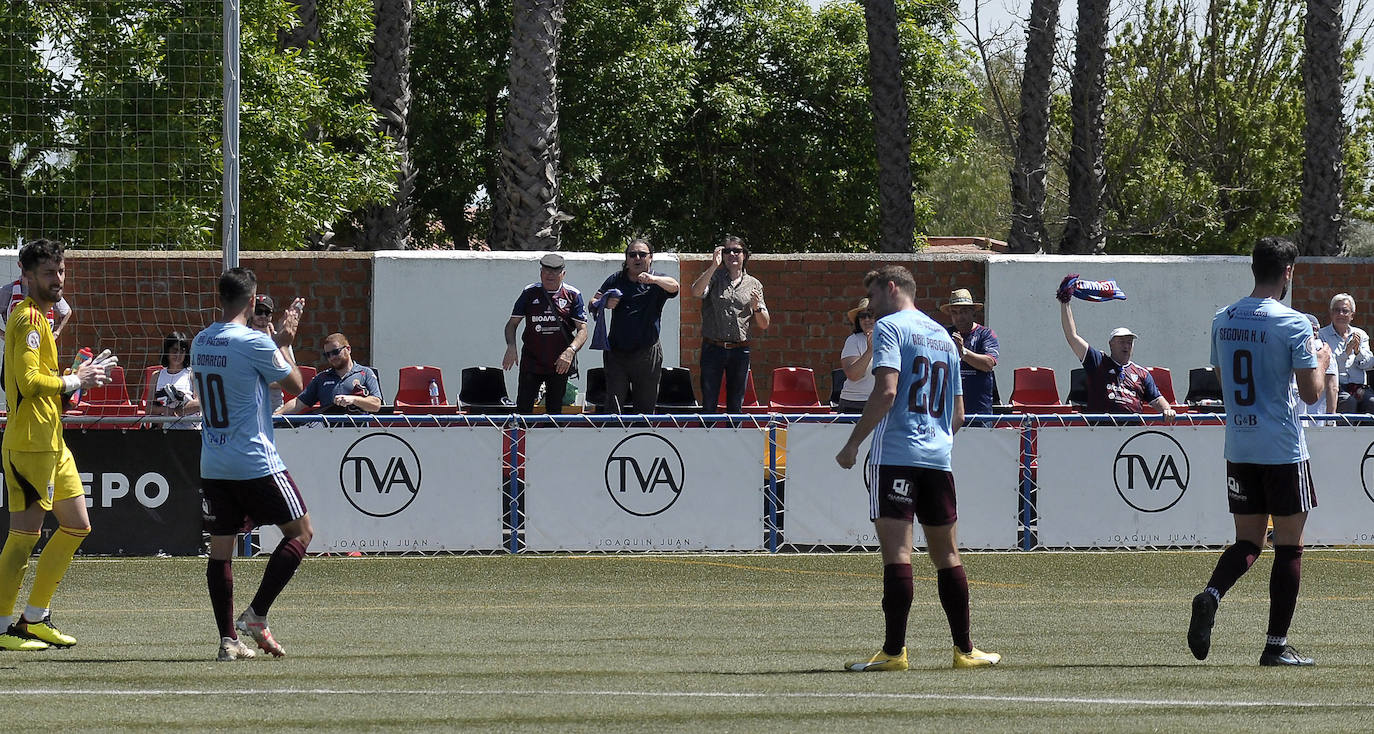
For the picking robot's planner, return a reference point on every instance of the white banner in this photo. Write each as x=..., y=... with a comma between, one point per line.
x=396, y=490
x=1343, y=474
x=826, y=505
x=1132, y=487
x=644, y=489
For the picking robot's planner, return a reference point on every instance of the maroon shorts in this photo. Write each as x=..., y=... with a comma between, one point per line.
x=904, y=492
x=233, y=506
x=1270, y=489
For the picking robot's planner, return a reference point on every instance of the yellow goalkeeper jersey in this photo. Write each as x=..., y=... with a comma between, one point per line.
x=33, y=386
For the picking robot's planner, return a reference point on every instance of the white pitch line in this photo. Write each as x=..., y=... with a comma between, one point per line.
x=1070, y=700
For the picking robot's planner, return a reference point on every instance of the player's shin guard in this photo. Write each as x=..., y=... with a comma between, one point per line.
x=219, y=577
x=14, y=562
x=953, y=585
x=1233, y=564
x=1283, y=588
x=280, y=568
x=53, y=563
x=897, y=594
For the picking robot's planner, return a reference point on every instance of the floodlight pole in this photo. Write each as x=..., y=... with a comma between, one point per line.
x=230, y=206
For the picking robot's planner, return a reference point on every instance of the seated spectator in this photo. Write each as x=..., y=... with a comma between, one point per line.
x=1115, y=383
x=1350, y=351
x=1326, y=402
x=857, y=359
x=978, y=349
x=173, y=389
x=346, y=386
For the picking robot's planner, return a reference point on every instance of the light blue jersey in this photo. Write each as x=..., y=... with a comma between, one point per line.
x=233, y=365
x=918, y=429
x=1256, y=344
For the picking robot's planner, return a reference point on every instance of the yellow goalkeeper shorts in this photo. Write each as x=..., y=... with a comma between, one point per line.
x=40, y=476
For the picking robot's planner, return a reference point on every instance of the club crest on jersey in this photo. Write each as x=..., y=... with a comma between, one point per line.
x=32, y=339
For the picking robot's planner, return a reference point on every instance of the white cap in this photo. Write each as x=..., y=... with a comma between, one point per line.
x=1122, y=331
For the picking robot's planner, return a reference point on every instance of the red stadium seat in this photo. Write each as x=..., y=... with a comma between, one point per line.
x=111, y=400
x=412, y=392
x=1164, y=380
x=307, y=374
x=794, y=391
x=149, y=378
x=1034, y=391
x=751, y=398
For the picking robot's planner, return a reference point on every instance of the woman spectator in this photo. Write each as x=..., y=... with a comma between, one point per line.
x=857, y=359
x=173, y=391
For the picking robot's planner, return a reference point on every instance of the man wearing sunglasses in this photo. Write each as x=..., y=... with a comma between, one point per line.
x=635, y=356
x=732, y=303
x=346, y=386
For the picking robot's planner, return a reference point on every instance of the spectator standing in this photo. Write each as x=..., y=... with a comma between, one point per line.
x=732, y=303
x=58, y=315
x=978, y=348
x=346, y=385
x=172, y=391
x=635, y=357
x=1350, y=350
x=1115, y=383
x=261, y=320
x=856, y=359
x=556, y=330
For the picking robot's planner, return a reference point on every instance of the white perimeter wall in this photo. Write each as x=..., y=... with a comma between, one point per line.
x=450, y=309
x=1170, y=304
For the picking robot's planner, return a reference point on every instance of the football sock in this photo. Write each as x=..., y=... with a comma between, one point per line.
x=953, y=586
x=280, y=568
x=1283, y=588
x=219, y=577
x=897, y=593
x=53, y=563
x=1233, y=564
x=14, y=563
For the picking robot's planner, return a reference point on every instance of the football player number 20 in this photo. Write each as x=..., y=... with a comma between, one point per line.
x=929, y=384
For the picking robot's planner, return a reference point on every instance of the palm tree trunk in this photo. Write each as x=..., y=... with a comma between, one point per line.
x=386, y=225
x=307, y=28
x=1083, y=232
x=1028, y=233
x=529, y=150
x=1324, y=131
x=892, y=138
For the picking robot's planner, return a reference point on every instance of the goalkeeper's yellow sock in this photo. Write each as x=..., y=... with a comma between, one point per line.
x=14, y=562
x=53, y=563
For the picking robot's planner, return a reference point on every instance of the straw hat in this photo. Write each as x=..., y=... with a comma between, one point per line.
x=960, y=297
x=853, y=312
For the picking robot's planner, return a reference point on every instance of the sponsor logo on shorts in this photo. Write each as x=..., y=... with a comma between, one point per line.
x=380, y=474
x=1151, y=471
x=645, y=474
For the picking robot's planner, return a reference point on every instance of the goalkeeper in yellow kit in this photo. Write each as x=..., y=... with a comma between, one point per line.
x=40, y=475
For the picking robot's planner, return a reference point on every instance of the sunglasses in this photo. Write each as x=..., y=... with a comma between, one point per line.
x=334, y=352
x=638, y=255
x=865, y=314
x=734, y=250
x=262, y=312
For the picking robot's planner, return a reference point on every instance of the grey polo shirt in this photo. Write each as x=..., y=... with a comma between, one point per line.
x=727, y=310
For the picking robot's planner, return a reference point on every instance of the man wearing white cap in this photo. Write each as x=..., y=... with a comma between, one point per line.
x=1115, y=383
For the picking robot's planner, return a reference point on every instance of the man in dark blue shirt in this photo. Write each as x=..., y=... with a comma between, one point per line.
x=346, y=386
x=978, y=349
x=635, y=355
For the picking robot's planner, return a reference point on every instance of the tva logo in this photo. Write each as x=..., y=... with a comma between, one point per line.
x=1367, y=471
x=1151, y=471
x=380, y=475
x=645, y=474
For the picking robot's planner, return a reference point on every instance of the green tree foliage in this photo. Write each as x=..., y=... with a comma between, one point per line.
x=684, y=120
x=1205, y=121
x=112, y=132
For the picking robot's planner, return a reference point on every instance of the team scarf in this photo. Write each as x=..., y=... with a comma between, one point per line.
x=1095, y=291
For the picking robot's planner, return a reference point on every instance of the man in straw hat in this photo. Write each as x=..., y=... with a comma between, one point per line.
x=977, y=346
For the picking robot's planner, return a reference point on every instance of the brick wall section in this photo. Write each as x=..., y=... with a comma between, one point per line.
x=1317, y=280
x=127, y=301
x=807, y=297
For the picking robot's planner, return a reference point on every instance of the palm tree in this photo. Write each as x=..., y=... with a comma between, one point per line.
x=892, y=137
x=1028, y=232
x=386, y=225
x=1324, y=131
x=529, y=146
x=1087, y=172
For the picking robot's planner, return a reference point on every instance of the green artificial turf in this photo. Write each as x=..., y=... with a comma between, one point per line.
x=1092, y=642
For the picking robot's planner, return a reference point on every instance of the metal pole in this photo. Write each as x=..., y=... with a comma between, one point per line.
x=230, y=206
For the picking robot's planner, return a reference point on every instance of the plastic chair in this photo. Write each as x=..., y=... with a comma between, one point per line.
x=307, y=374
x=412, y=392
x=1164, y=380
x=1078, y=388
x=483, y=390
x=111, y=400
x=794, y=391
x=836, y=385
x=751, y=398
x=149, y=378
x=1204, y=389
x=675, y=392
x=1034, y=391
